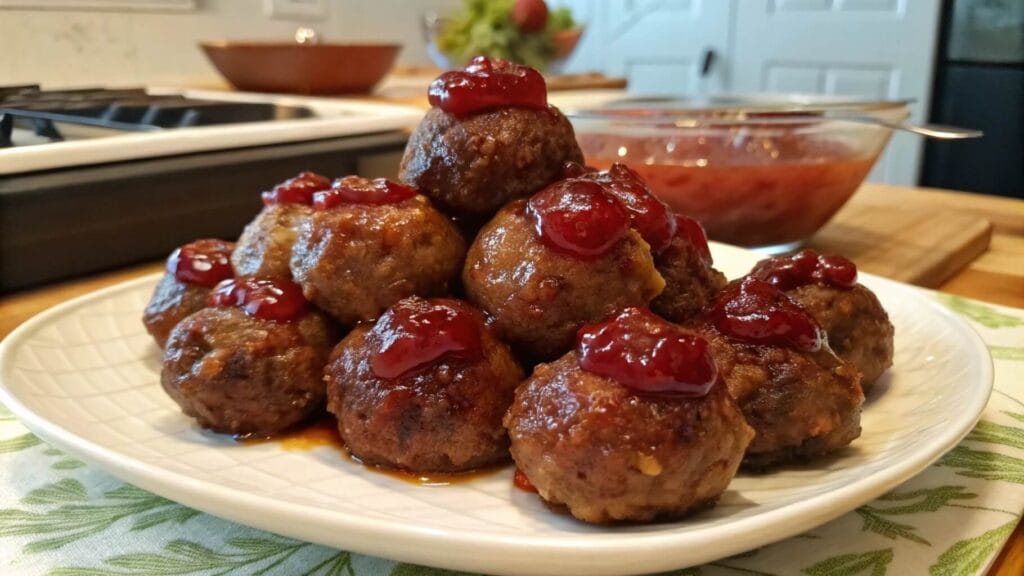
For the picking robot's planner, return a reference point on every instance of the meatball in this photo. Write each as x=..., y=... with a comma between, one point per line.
x=191, y=271
x=802, y=405
x=858, y=328
x=424, y=389
x=471, y=166
x=265, y=246
x=240, y=374
x=355, y=260
x=690, y=280
x=609, y=453
x=801, y=399
x=172, y=301
x=539, y=297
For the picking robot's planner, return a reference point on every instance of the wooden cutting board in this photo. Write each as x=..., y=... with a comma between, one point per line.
x=588, y=81
x=904, y=237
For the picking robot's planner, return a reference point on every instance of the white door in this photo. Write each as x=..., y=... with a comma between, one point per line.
x=659, y=45
x=871, y=48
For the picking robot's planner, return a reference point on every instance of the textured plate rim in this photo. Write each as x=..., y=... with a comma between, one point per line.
x=589, y=554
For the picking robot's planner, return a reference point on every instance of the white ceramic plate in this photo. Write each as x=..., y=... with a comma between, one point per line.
x=85, y=377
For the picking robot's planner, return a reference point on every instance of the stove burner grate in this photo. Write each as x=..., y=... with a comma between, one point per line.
x=129, y=110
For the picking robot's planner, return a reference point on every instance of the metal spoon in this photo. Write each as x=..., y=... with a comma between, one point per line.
x=939, y=131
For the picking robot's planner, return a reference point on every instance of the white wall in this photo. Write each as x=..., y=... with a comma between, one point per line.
x=61, y=47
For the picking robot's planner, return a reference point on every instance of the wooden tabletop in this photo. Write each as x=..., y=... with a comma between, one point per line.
x=997, y=275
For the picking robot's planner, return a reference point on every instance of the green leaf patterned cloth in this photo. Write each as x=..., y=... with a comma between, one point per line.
x=61, y=517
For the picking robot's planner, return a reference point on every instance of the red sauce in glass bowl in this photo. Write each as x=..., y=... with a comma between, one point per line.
x=753, y=191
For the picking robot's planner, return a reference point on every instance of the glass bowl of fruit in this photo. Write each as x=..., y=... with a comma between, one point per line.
x=762, y=171
x=521, y=31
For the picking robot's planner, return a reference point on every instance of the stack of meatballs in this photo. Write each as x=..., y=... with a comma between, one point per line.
x=505, y=302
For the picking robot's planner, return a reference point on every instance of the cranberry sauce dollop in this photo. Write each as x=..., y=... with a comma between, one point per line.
x=358, y=190
x=640, y=350
x=416, y=332
x=578, y=217
x=692, y=230
x=651, y=218
x=203, y=262
x=753, y=310
x=274, y=299
x=297, y=190
x=487, y=84
x=807, y=267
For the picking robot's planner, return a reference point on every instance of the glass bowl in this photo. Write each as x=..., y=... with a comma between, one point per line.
x=763, y=172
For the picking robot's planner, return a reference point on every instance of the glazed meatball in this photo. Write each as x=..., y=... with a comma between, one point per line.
x=858, y=328
x=354, y=259
x=242, y=374
x=691, y=282
x=192, y=270
x=801, y=399
x=610, y=452
x=540, y=295
x=424, y=389
x=265, y=246
x=472, y=166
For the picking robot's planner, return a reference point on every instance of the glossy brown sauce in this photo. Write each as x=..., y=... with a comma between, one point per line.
x=324, y=432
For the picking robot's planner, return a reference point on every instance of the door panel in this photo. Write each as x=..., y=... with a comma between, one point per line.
x=659, y=45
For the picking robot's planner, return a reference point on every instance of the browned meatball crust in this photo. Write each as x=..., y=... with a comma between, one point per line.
x=171, y=302
x=690, y=283
x=243, y=375
x=801, y=404
x=472, y=166
x=265, y=247
x=445, y=417
x=355, y=260
x=610, y=454
x=539, y=297
x=858, y=328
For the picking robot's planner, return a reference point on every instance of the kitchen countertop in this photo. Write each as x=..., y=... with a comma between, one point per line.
x=997, y=275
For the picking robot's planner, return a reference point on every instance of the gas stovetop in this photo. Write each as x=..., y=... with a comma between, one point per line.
x=93, y=179
x=47, y=129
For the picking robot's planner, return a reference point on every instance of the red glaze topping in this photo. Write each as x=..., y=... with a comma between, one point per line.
x=807, y=267
x=297, y=190
x=578, y=217
x=651, y=217
x=416, y=332
x=487, y=84
x=755, y=311
x=203, y=262
x=640, y=350
x=358, y=190
x=519, y=480
x=692, y=230
x=274, y=299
